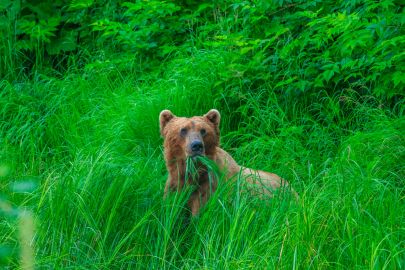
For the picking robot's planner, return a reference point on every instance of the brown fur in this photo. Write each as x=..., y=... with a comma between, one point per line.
x=176, y=151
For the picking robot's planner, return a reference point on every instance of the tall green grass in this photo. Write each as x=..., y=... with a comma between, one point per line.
x=86, y=153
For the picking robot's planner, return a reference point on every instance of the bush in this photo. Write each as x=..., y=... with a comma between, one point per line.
x=292, y=47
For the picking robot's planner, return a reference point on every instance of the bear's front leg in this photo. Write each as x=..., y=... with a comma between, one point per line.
x=167, y=188
x=200, y=197
x=173, y=184
x=195, y=202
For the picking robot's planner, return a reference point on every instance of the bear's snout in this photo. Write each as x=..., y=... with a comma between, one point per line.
x=196, y=147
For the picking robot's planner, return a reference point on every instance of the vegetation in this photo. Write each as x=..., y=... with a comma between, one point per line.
x=310, y=90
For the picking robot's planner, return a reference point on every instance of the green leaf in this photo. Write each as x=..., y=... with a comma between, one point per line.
x=80, y=4
x=284, y=82
x=398, y=78
x=65, y=43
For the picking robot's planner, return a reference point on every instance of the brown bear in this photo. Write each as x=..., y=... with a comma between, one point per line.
x=199, y=136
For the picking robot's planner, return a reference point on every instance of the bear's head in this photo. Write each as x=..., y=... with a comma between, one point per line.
x=189, y=137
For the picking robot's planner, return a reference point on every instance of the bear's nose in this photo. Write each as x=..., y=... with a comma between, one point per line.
x=197, y=146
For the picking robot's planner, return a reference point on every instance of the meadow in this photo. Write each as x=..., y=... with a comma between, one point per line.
x=311, y=91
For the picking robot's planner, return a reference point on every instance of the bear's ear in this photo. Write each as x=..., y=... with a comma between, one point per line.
x=213, y=116
x=164, y=118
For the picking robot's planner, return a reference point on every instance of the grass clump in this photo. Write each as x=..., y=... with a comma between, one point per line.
x=95, y=154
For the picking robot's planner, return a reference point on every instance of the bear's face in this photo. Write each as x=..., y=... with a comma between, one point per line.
x=189, y=137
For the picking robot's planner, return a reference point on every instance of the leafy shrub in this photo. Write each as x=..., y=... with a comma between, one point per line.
x=292, y=47
x=305, y=47
x=42, y=34
x=146, y=25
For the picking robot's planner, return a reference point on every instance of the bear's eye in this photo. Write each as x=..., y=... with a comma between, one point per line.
x=183, y=132
x=203, y=132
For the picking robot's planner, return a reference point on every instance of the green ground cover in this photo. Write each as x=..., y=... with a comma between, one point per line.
x=310, y=90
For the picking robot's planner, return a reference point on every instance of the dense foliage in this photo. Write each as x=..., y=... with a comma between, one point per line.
x=295, y=46
x=311, y=90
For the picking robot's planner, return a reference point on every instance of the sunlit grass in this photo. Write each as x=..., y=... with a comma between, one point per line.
x=93, y=146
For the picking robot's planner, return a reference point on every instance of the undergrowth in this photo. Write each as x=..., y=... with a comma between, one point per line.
x=317, y=99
